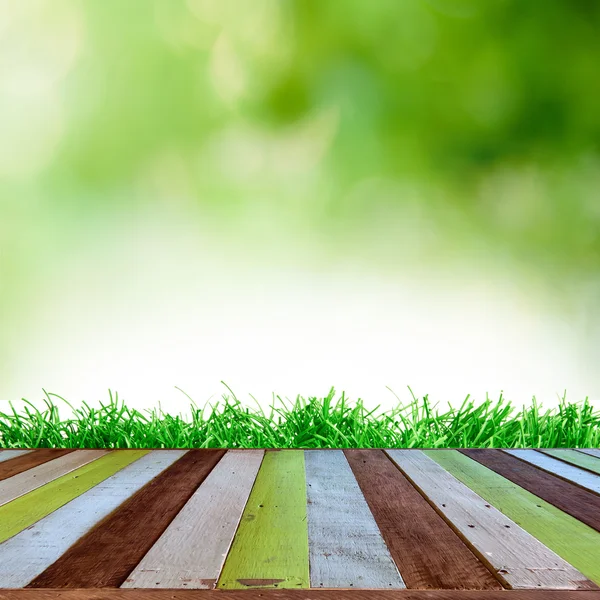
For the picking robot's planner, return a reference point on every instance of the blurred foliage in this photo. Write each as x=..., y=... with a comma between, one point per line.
x=481, y=117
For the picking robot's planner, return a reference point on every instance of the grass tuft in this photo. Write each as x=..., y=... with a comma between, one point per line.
x=305, y=423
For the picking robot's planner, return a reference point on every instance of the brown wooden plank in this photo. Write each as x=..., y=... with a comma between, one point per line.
x=296, y=594
x=106, y=555
x=572, y=499
x=428, y=553
x=17, y=465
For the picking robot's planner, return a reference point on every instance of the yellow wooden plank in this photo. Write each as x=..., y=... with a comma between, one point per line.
x=270, y=549
x=30, y=508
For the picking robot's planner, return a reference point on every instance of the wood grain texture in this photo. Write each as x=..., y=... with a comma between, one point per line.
x=106, y=555
x=27, y=510
x=428, y=553
x=29, y=460
x=590, y=451
x=47, y=540
x=9, y=454
x=299, y=594
x=519, y=560
x=191, y=552
x=345, y=545
x=561, y=469
x=575, y=501
x=23, y=483
x=574, y=541
x=579, y=459
x=270, y=548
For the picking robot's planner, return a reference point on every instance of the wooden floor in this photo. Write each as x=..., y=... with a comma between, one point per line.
x=299, y=524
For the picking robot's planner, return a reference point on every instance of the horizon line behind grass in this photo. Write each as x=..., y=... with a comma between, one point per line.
x=313, y=423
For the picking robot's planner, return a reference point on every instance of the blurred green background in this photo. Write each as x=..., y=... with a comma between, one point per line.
x=172, y=171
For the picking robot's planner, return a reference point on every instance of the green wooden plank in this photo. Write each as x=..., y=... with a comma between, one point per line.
x=585, y=461
x=572, y=540
x=270, y=548
x=30, y=508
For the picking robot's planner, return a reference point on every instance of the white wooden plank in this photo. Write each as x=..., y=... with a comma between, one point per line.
x=581, y=477
x=8, y=454
x=23, y=483
x=346, y=549
x=591, y=451
x=519, y=560
x=191, y=551
x=45, y=541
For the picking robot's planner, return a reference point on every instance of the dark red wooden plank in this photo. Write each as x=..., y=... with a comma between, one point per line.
x=106, y=555
x=574, y=500
x=428, y=553
x=17, y=465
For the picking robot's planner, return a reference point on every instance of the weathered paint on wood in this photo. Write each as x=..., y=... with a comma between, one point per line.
x=191, y=552
x=27, y=510
x=8, y=454
x=575, y=501
x=429, y=554
x=274, y=594
x=129, y=532
x=270, y=548
x=47, y=540
x=519, y=560
x=345, y=545
x=590, y=451
x=578, y=459
x=561, y=469
x=26, y=461
x=23, y=483
x=577, y=543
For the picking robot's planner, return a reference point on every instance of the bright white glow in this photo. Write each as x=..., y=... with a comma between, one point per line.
x=141, y=311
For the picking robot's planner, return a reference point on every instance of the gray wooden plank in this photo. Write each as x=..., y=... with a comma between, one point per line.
x=568, y=472
x=517, y=558
x=27, y=481
x=191, y=551
x=45, y=541
x=590, y=451
x=8, y=454
x=346, y=548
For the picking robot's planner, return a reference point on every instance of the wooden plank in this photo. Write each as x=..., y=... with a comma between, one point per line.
x=270, y=548
x=299, y=594
x=9, y=454
x=579, y=477
x=575, y=501
x=23, y=483
x=47, y=540
x=579, y=459
x=27, y=510
x=345, y=545
x=429, y=554
x=590, y=451
x=519, y=560
x=574, y=541
x=107, y=554
x=29, y=460
x=191, y=552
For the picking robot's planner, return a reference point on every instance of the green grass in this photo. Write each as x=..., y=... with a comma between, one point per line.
x=314, y=423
